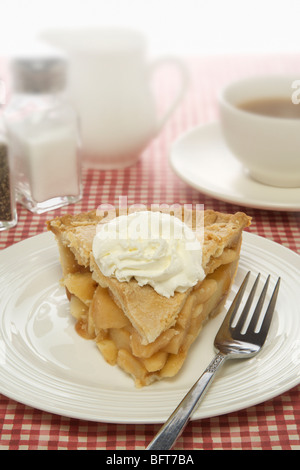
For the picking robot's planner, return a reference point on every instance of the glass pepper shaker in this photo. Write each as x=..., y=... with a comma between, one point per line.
x=8, y=213
x=43, y=135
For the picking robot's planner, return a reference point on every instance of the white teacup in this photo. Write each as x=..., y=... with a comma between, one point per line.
x=267, y=146
x=110, y=85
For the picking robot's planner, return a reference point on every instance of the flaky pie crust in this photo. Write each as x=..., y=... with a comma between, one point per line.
x=150, y=313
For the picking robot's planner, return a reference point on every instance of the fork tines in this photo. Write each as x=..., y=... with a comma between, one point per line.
x=254, y=321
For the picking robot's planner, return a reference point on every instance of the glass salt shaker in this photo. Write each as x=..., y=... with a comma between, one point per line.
x=43, y=134
x=8, y=213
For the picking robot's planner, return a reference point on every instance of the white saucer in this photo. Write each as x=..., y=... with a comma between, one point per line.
x=201, y=159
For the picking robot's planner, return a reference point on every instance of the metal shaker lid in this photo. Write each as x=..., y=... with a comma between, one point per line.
x=39, y=71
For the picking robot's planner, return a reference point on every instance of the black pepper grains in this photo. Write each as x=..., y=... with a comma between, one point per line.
x=5, y=192
x=7, y=205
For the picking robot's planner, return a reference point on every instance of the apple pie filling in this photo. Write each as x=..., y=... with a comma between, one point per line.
x=98, y=317
x=111, y=313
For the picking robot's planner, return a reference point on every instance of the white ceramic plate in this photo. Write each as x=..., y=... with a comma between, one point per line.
x=45, y=364
x=202, y=160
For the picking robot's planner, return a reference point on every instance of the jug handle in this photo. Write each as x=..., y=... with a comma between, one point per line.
x=184, y=76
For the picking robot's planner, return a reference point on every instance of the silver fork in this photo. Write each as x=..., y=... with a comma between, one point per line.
x=238, y=337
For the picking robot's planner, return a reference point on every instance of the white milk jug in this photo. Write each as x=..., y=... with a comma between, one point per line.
x=110, y=86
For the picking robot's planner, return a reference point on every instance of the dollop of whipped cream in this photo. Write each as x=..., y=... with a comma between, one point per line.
x=152, y=247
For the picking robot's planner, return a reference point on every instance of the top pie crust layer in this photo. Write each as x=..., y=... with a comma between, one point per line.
x=150, y=313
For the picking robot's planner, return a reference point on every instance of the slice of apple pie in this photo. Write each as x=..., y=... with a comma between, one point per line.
x=144, y=298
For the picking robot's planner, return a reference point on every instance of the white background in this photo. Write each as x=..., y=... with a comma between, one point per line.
x=183, y=26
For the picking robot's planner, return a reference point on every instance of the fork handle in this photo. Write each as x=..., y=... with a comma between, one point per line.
x=171, y=430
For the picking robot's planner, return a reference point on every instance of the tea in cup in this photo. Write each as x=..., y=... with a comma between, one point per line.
x=261, y=125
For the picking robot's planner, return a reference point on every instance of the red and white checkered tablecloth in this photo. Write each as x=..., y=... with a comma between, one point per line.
x=274, y=424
